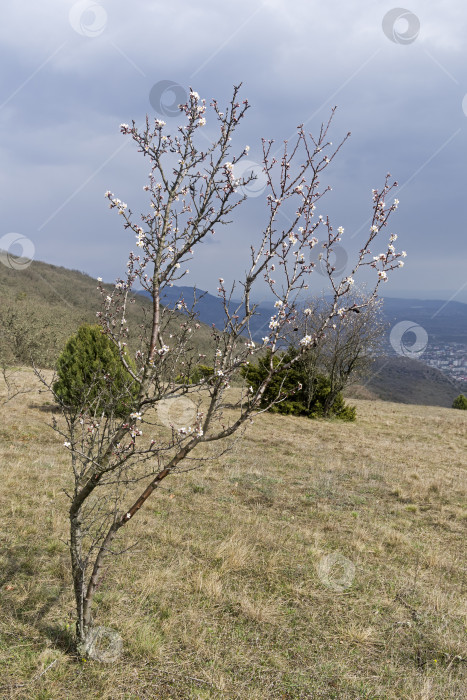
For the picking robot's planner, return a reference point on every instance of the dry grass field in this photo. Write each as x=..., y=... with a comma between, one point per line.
x=318, y=560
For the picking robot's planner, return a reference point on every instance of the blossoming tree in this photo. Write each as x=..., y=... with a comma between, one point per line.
x=353, y=341
x=192, y=190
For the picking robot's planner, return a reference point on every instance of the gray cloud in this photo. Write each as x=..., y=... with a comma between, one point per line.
x=65, y=94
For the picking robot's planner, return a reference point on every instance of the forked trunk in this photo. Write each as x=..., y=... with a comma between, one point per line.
x=84, y=594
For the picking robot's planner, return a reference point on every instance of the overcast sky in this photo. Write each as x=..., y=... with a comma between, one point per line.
x=73, y=71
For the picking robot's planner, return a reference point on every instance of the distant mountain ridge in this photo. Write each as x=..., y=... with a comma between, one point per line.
x=392, y=378
x=444, y=322
x=62, y=299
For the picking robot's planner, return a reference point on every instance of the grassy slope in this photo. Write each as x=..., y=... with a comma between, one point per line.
x=60, y=300
x=224, y=596
x=403, y=380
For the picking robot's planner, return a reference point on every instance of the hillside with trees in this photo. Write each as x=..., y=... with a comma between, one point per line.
x=42, y=305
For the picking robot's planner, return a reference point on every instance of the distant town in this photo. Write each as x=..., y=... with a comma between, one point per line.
x=450, y=358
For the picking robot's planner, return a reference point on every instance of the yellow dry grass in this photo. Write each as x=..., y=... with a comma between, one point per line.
x=316, y=560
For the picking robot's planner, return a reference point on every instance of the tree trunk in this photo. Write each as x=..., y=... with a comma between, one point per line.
x=95, y=575
x=78, y=573
x=84, y=595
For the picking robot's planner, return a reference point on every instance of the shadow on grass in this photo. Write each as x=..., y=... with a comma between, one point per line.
x=20, y=570
x=45, y=408
x=62, y=639
x=15, y=565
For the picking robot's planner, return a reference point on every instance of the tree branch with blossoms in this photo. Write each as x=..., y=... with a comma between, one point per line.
x=193, y=191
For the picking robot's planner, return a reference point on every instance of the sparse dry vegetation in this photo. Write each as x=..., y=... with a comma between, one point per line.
x=223, y=594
